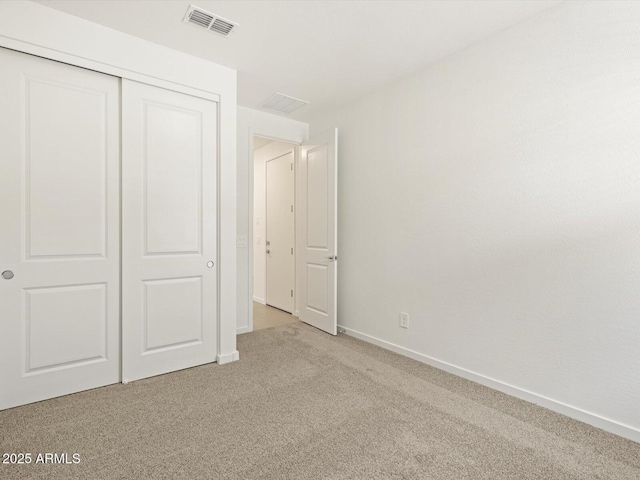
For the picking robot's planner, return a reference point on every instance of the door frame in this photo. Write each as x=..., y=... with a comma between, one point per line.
x=226, y=335
x=113, y=70
x=296, y=145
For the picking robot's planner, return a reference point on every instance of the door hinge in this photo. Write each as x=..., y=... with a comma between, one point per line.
x=291, y=293
x=292, y=167
x=291, y=250
x=291, y=208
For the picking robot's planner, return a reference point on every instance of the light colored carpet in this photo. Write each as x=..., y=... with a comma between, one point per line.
x=301, y=404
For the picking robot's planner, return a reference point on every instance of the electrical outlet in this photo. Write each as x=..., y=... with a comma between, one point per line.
x=404, y=320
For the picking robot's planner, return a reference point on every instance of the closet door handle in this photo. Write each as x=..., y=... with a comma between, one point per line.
x=7, y=274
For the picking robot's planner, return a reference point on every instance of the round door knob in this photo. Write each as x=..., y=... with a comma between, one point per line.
x=210, y=264
x=7, y=274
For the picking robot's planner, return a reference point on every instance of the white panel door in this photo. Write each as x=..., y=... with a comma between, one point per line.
x=169, y=290
x=59, y=244
x=280, y=232
x=319, y=229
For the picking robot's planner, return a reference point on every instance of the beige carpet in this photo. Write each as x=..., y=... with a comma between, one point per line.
x=301, y=404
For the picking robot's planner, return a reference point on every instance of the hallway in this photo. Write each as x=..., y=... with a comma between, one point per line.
x=265, y=316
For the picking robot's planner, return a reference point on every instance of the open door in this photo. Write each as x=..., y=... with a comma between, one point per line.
x=319, y=232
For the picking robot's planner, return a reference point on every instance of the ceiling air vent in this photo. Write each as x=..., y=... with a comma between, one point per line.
x=208, y=20
x=283, y=103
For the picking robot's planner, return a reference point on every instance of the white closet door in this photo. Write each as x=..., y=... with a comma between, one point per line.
x=169, y=231
x=59, y=244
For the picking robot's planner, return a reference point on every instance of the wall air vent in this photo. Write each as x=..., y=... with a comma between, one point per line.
x=215, y=23
x=283, y=103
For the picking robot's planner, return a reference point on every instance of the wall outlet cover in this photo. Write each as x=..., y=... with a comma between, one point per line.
x=404, y=320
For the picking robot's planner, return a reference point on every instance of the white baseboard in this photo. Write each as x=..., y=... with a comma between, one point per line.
x=260, y=300
x=606, y=424
x=228, y=357
x=243, y=330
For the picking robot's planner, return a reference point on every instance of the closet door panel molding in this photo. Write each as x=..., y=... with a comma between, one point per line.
x=60, y=214
x=169, y=231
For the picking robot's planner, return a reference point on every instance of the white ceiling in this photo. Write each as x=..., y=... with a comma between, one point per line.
x=326, y=52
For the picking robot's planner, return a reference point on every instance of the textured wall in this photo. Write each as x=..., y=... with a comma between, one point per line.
x=494, y=196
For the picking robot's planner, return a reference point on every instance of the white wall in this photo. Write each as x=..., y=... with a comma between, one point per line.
x=494, y=196
x=254, y=122
x=260, y=157
x=37, y=29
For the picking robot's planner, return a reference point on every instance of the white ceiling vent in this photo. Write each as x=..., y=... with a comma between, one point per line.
x=283, y=103
x=210, y=21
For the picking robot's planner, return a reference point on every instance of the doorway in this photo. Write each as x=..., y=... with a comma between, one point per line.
x=274, y=252
x=314, y=253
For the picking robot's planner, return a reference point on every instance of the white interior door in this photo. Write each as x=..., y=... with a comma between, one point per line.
x=318, y=202
x=59, y=243
x=280, y=232
x=169, y=264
